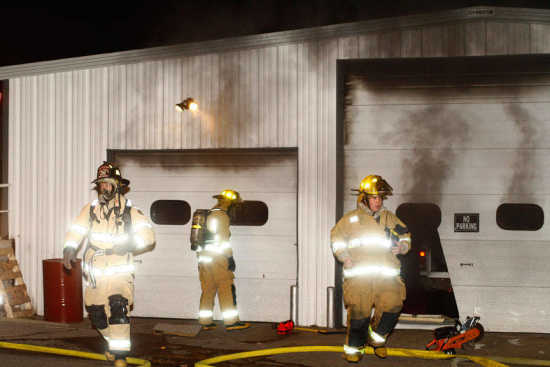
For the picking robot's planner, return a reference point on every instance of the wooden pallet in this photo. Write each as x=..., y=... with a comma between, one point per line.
x=13, y=291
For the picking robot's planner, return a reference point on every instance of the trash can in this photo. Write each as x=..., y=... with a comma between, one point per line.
x=62, y=291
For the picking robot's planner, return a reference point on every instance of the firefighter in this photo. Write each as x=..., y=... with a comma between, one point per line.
x=216, y=263
x=367, y=241
x=115, y=230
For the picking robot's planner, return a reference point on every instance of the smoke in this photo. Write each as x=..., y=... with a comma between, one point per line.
x=523, y=168
x=433, y=133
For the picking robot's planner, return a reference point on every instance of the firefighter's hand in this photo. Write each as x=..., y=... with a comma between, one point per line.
x=348, y=264
x=399, y=248
x=69, y=256
x=231, y=263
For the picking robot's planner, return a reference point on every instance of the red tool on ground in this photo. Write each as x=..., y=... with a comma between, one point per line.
x=285, y=327
x=447, y=339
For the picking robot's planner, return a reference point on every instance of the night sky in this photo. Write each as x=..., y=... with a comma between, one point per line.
x=53, y=31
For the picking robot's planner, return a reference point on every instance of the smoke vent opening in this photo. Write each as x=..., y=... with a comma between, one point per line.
x=424, y=269
x=520, y=217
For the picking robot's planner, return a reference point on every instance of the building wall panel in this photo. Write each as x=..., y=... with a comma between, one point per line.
x=172, y=91
x=389, y=44
x=288, y=95
x=475, y=38
x=268, y=101
x=411, y=42
x=540, y=38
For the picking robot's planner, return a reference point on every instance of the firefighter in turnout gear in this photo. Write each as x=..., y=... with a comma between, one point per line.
x=210, y=239
x=115, y=230
x=367, y=241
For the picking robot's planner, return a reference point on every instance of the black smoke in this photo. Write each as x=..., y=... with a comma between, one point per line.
x=523, y=166
x=433, y=134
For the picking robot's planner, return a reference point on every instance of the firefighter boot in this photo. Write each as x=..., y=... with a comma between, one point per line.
x=352, y=354
x=378, y=338
x=352, y=358
x=110, y=356
x=377, y=342
x=117, y=357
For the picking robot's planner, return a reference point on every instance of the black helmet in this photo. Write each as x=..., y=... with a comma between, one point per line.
x=107, y=172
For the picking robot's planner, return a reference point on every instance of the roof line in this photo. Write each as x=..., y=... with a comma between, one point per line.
x=272, y=39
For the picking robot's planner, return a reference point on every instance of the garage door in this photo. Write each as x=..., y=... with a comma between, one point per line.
x=467, y=145
x=167, y=282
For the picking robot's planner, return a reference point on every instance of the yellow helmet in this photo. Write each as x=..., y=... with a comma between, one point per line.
x=375, y=185
x=230, y=195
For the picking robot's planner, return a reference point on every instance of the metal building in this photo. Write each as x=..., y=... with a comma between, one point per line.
x=296, y=119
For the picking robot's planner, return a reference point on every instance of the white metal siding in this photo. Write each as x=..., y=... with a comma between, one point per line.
x=466, y=149
x=274, y=90
x=62, y=125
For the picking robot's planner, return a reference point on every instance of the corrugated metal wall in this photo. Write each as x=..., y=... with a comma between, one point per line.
x=284, y=95
x=63, y=124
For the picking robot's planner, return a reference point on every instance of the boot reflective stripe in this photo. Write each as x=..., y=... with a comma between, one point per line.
x=230, y=314
x=351, y=350
x=203, y=314
x=371, y=270
x=377, y=338
x=119, y=344
x=77, y=228
x=126, y=268
x=72, y=244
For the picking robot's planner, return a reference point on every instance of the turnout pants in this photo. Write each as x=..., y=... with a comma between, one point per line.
x=217, y=279
x=108, y=304
x=361, y=295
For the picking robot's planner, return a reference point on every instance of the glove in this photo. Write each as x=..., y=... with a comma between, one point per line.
x=231, y=263
x=69, y=256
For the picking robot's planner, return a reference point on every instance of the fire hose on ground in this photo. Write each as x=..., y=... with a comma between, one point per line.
x=69, y=352
x=394, y=352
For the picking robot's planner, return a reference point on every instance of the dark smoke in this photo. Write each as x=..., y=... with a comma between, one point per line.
x=523, y=168
x=433, y=134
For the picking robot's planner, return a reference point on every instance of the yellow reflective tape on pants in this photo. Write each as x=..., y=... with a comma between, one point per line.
x=396, y=352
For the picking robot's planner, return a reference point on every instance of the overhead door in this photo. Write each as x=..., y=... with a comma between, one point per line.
x=167, y=282
x=466, y=144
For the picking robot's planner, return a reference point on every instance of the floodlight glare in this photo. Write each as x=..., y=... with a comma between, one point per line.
x=187, y=104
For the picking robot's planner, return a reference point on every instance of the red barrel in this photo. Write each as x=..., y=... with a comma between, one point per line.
x=62, y=291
